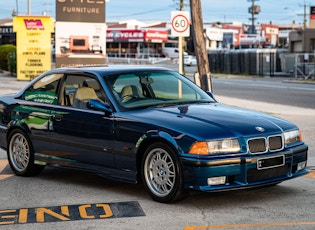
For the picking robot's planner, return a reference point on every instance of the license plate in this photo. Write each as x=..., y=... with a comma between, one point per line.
x=270, y=162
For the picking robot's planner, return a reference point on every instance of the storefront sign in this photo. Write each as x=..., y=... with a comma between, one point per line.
x=214, y=34
x=270, y=30
x=80, y=11
x=80, y=32
x=312, y=12
x=33, y=39
x=6, y=30
x=312, y=17
x=127, y=35
x=124, y=35
x=156, y=36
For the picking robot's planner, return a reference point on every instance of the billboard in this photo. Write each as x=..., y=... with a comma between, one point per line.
x=33, y=40
x=80, y=33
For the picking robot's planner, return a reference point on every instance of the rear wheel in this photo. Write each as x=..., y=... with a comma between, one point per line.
x=21, y=155
x=162, y=174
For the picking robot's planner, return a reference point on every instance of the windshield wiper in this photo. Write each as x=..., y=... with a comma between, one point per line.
x=179, y=103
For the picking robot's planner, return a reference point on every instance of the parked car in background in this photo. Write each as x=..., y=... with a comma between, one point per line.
x=190, y=60
x=145, y=124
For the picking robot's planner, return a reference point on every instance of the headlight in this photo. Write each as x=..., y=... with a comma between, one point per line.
x=292, y=136
x=215, y=147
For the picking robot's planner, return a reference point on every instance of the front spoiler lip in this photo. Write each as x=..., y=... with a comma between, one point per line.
x=195, y=162
x=240, y=186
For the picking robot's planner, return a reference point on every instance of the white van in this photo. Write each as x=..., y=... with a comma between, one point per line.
x=170, y=50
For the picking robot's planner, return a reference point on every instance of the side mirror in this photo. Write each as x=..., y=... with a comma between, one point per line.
x=211, y=95
x=99, y=106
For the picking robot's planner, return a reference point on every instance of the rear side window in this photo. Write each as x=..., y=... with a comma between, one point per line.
x=44, y=90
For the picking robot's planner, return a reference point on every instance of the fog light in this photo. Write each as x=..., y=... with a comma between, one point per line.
x=301, y=165
x=216, y=180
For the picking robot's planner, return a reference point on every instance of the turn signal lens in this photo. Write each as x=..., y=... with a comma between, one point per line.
x=215, y=147
x=199, y=148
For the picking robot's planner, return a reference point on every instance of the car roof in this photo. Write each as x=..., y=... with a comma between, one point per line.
x=107, y=70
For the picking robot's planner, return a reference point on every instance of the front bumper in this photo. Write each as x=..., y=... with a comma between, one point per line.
x=244, y=171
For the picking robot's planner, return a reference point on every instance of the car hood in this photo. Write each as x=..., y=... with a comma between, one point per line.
x=214, y=120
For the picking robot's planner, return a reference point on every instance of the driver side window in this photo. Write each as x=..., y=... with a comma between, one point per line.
x=79, y=89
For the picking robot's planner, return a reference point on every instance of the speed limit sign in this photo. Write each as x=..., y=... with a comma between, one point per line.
x=180, y=23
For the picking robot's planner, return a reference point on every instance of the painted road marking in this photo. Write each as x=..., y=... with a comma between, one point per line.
x=70, y=213
x=3, y=165
x=249, y=225
x=311, y=174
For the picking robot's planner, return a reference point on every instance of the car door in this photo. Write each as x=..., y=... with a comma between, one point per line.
x=34, y=111
x=82, y=137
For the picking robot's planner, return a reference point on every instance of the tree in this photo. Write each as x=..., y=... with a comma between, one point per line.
x=200, y=46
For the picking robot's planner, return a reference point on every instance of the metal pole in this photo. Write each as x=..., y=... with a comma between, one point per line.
x=180, y=55
x=17, y=7
x=253, y=17
x=180, y=45
x=28, y=7
x=304, y=16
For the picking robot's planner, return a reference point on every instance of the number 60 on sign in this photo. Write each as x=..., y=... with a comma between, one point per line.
x=180, y=23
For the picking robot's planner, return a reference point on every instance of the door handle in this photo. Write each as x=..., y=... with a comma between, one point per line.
x=57, y=117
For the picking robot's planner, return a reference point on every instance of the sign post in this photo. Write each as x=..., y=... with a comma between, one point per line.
x=180, y=29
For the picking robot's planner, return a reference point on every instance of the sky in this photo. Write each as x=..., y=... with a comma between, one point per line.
x=276, y=11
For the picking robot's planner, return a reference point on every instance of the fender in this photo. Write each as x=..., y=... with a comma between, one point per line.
x=18, y=124
x=157, y=134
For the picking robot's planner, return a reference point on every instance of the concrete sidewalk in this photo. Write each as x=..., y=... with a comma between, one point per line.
x=9, y=83
x=271, y=108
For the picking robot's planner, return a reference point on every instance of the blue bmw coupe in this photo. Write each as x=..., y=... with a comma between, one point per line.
x=149, y=125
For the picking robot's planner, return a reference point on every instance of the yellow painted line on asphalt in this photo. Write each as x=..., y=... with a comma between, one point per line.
x=249, y=225
x=311, y=174
x=5, y=176
x=3, y=165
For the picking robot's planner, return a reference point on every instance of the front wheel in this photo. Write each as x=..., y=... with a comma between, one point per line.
x=21, y=155
x=162, y=174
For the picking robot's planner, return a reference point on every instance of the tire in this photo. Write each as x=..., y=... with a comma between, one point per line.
x=162, y=174
x=21, y=155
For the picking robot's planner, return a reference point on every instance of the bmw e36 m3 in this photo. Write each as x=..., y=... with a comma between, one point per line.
x=145, y=124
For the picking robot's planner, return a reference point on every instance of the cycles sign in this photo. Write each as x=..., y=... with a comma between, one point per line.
x=180, y=23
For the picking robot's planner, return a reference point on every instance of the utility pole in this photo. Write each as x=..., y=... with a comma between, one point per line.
x=253, y=9
x=253, y=18
x=304, y=14
x=200, y=45
x=17, y=7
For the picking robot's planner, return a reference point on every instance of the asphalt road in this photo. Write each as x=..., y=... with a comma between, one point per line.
x=275, y=90
x=65, y=199
x=278, y=90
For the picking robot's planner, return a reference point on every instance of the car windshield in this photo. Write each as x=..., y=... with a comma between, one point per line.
x=138, y=90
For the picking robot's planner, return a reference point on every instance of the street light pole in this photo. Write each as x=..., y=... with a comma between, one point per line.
x=28, y=7
x=17, y=7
